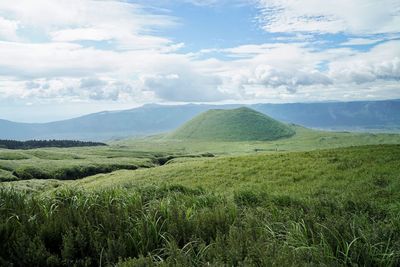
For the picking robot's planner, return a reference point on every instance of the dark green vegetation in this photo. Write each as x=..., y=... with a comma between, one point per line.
x=242, y=124
x=336, y=207
x=13, y=144
x=151, y=119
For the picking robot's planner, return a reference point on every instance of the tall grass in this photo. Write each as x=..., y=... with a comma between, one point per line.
x=179, y=226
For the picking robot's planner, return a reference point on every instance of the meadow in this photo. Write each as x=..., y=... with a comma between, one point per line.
x=304, y=140
x=76, y=163
x=67, y=163
x=315, y=199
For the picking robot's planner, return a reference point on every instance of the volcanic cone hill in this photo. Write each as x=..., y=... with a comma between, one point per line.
x=241, y=124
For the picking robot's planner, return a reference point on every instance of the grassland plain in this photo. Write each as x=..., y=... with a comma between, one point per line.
x=38, y=169
x=76, y=163
x=67, y=163
x=334, y=207
x=365, y=172
x=303, y=140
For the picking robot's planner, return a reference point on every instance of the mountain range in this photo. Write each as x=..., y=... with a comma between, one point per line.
x=152, y=119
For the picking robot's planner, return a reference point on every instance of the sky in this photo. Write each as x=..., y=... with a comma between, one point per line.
x=65, y=58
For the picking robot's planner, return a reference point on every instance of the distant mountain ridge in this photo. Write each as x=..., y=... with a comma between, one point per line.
x=240, y=124
x=153, y=119
x=337, y=115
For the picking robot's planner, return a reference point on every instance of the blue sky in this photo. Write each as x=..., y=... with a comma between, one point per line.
x=60, y=59
x=219, y=26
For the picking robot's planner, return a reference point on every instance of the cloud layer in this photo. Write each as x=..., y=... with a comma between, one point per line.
x=86, y=50
x=350, y=16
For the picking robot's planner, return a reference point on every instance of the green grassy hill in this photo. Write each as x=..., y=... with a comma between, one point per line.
x=242, y=124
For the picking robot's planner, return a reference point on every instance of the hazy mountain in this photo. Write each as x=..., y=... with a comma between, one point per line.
x=148, y=119
x=151, y=119
x=379, y=115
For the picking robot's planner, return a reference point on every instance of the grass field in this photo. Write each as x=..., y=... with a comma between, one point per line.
x=330, y=207
x=304, y=140
x=77, y=163
x=67, y=163
x=315, y=199
x=354, y=172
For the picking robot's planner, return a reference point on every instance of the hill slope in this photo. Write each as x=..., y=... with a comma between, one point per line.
x=241, y=124
x=354, y=173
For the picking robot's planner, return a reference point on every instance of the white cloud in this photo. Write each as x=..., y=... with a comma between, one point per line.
x=79, y=34
x=278, y=72
x=131, y=62
x=275, y=73
x=92, y=82
x=371, y=40
x=185, y=86
x=129, y=25
x=53, y=59
x=349, y=16
x=8, y=29
x=381, y=63
x=61, y=90
x=271, y=77
x=201, y=3
x=293, y=72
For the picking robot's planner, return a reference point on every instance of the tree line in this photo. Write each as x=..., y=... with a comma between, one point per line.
x=14, y=144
